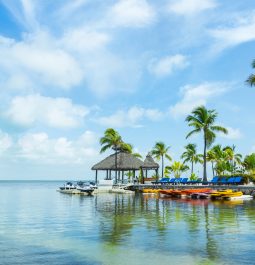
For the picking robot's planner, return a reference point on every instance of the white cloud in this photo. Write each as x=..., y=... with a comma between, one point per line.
x=242, y=31
x=39, y=60
x=83, y=39
x=130, y=118
x=166, y=65
x=43, y=149
x=190, y=7
x=5, y=141
x=193, y=96
x=233, y=133
x=53, y=112
x=132, y=13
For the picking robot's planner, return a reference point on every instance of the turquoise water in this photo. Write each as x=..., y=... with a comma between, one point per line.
x=41, y=226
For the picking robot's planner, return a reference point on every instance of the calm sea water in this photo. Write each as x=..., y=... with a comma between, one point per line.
x=41, y=226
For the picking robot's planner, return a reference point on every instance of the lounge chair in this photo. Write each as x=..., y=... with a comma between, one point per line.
x=214, y=180
x=184, y=181
x=164, y=180
x=230, y=180
x=222, y=181
x=238, y=180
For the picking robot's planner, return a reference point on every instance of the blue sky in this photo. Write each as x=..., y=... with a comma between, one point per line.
x=71, y=69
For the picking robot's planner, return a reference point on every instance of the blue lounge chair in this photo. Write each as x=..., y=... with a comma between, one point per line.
x=231, y=180
x=172, y=181
x=178, y=180
x=238, y=180
x=214, y=180
x=164, y=180
x=184, y=181
x=222, y=181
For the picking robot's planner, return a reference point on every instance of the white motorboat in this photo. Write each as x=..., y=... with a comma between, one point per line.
x=85, y=187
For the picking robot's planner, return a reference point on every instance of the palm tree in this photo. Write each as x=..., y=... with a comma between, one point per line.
x=159, y=151
x=251, y=78
x=111, y=140
x=211, y=157
x=249, y=163
x=202, y=120
x=126, y=147
x=234, y=158
x=177, y=168
x=190, y=155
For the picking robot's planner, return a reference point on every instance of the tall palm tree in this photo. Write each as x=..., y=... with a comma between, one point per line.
x=251, y=78
x=111, y=140
x=190, y=155
x=177, y=168
x=160, y=151
x=203, y=120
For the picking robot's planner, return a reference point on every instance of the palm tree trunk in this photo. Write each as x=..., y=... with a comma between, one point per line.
x=162, y=158
x=192, y=165
x=204, y=174
x=212, y=169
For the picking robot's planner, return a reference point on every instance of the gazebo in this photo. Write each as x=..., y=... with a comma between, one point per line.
x=150, y=164
x=125, y=162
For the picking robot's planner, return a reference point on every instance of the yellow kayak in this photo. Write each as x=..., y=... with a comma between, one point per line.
x=221, y=193
x=233, y=194
x=151, y=190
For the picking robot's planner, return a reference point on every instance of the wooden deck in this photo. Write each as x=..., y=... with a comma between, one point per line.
x=246, y=189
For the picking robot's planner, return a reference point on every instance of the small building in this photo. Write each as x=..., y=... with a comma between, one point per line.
x=116, y=165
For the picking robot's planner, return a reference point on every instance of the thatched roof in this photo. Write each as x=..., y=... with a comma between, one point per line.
x=125, y=161
x=149, y=163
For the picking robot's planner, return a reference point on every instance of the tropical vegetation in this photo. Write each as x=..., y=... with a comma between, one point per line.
x=203, y=121
x=160, y=151
x=177, y=168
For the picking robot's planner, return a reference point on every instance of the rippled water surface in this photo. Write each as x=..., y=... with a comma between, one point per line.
x=41, y=226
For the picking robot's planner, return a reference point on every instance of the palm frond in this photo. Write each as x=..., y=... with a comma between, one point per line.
x=193, y=132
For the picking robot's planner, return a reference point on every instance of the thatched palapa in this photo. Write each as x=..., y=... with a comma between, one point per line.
x=125, y=161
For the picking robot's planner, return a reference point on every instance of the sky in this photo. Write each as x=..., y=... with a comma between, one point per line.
x=71, y=69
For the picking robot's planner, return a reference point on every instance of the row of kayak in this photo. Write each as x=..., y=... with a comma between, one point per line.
x=203, y=193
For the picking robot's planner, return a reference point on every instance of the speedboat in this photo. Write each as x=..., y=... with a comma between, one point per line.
x=68, y=187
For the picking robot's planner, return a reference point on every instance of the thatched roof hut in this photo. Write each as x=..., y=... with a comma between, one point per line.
x=125, y=161
x=149, y=163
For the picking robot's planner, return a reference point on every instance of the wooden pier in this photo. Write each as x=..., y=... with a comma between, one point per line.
x=246, y=189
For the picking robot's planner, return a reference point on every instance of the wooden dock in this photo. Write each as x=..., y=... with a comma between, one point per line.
x=246, y=189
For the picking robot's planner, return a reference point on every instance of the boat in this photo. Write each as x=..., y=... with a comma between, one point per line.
x=220, y=193
x=85, y=188
x=68, y=188
x=237, y=196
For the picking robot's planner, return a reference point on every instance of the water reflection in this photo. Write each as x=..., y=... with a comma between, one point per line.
x=116, y=229
x=195, y=226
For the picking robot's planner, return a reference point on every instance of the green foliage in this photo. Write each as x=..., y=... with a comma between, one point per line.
x=193, y=176
x=177, y=168
x=159, y=151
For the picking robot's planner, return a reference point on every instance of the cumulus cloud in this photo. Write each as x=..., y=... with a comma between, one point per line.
x=38, y=60
x=193, y=96
x=233, y=133
x=166, y=65
x=241, y=31
x=132, y=13
x=190, y=7
x=130, y=118
x=40, y=147
x=52, y=112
